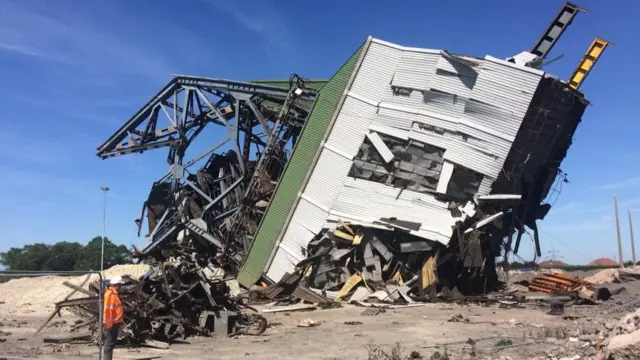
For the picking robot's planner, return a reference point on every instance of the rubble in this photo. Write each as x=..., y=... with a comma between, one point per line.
x=172, y=300
x=557, y=282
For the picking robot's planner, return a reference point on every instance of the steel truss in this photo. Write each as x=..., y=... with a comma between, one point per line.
x=215, y=210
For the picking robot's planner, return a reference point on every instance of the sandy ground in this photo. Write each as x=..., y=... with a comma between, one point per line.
x=414, y=329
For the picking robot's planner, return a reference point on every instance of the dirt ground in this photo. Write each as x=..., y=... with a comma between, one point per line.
x=414, y=329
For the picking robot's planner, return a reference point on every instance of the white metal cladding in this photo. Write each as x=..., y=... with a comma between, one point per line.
x=380, y=146
x=429, y=137
x=370, y=201
x=283, y=262
x=397, y=133
x=309, y=214
x=415, y=70
x=462, y=68
x=485, y=185
x=327, y=177
x=452, y=83
x=493, y=117
x=507, y=86
x=479, y=106
x=376, y=71
x=351, y=126
x=446, y=104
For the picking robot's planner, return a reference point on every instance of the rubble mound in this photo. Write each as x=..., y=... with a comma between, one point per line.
x=40, y=293
x=603, y=262
x=606, y=276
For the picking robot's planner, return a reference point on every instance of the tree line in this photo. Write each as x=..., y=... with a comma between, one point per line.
x=65, y=256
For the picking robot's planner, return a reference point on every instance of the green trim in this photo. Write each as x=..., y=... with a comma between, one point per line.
x=295, y=173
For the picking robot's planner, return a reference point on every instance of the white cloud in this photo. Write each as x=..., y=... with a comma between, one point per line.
x=100, y=41
x=259, y=17
x=625, y=183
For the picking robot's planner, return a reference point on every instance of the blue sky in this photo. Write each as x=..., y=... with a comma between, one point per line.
x=74, y=71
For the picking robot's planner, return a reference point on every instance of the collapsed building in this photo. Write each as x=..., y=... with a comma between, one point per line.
x=407, y=160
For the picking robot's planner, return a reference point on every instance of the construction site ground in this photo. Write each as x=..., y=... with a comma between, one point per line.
x=334, y=337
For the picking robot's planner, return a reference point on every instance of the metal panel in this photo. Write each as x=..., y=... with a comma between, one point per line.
x=327, y=177
x=351, y=126
x=445, y=177
x=485, y=185
x=429, y=137
x=381, y=147
x=462, y=68
x=415, y=70
x=505, y=85
x=376, y=72
x=493, y=117
x=446, y=104
x=370, y=201
x=459, y=153
x=293, y=178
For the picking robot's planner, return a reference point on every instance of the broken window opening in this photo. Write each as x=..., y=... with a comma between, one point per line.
x=401, y=91
x=416, y=166
x=464, y=183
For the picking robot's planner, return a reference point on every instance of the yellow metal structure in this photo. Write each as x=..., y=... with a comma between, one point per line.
x=588, y=61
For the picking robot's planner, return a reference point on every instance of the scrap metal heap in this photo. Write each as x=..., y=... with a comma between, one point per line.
x=201, y=222
x=174, y=302
x=213, y=211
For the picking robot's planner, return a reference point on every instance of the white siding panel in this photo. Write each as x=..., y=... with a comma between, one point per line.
x=309, y=215
x=493, y=117
x=327, y=177
x=445, y=177
x=447, y=104
x=351, y=126
x=506, y=87
x=459, y=153
x=397, y=133
x=453, y=84
x=415, y=70
x=394, y=118
x=492, y=143
x=381, y=147
x=282, y=263
x=456, y=67
x=485, y=185
x=429, y=137
x=370, y=201
x=375, y=73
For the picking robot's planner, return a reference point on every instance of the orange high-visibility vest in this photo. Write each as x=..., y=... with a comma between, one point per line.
x=112, y=312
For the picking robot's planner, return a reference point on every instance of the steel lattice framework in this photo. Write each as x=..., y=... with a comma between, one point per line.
x=214, y=210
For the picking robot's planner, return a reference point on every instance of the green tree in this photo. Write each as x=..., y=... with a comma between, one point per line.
x=113, y=254
x=65, y=256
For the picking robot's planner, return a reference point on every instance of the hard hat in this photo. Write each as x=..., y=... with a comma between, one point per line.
x=116, y=280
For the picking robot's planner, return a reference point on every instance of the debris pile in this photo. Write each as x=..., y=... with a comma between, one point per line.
x=555, y=283
x=172, y=300
x=358, y=263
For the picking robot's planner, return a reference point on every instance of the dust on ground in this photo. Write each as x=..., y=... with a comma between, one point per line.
x=342, y=333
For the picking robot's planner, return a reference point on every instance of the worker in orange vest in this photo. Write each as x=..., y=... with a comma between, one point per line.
x=112, y=316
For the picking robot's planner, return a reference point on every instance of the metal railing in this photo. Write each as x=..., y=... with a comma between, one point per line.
x=23, y=298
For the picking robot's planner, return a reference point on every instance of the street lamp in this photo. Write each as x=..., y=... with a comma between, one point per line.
x=104, y=227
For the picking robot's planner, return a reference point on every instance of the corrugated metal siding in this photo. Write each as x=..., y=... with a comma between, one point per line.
x=327, y=177
x=506, y=87
x=485, y=185
x=415, y=70
x=295, y=172
x=351, y=126
x=376, y=72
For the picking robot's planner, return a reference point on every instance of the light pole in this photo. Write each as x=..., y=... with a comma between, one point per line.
x=104, y=189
